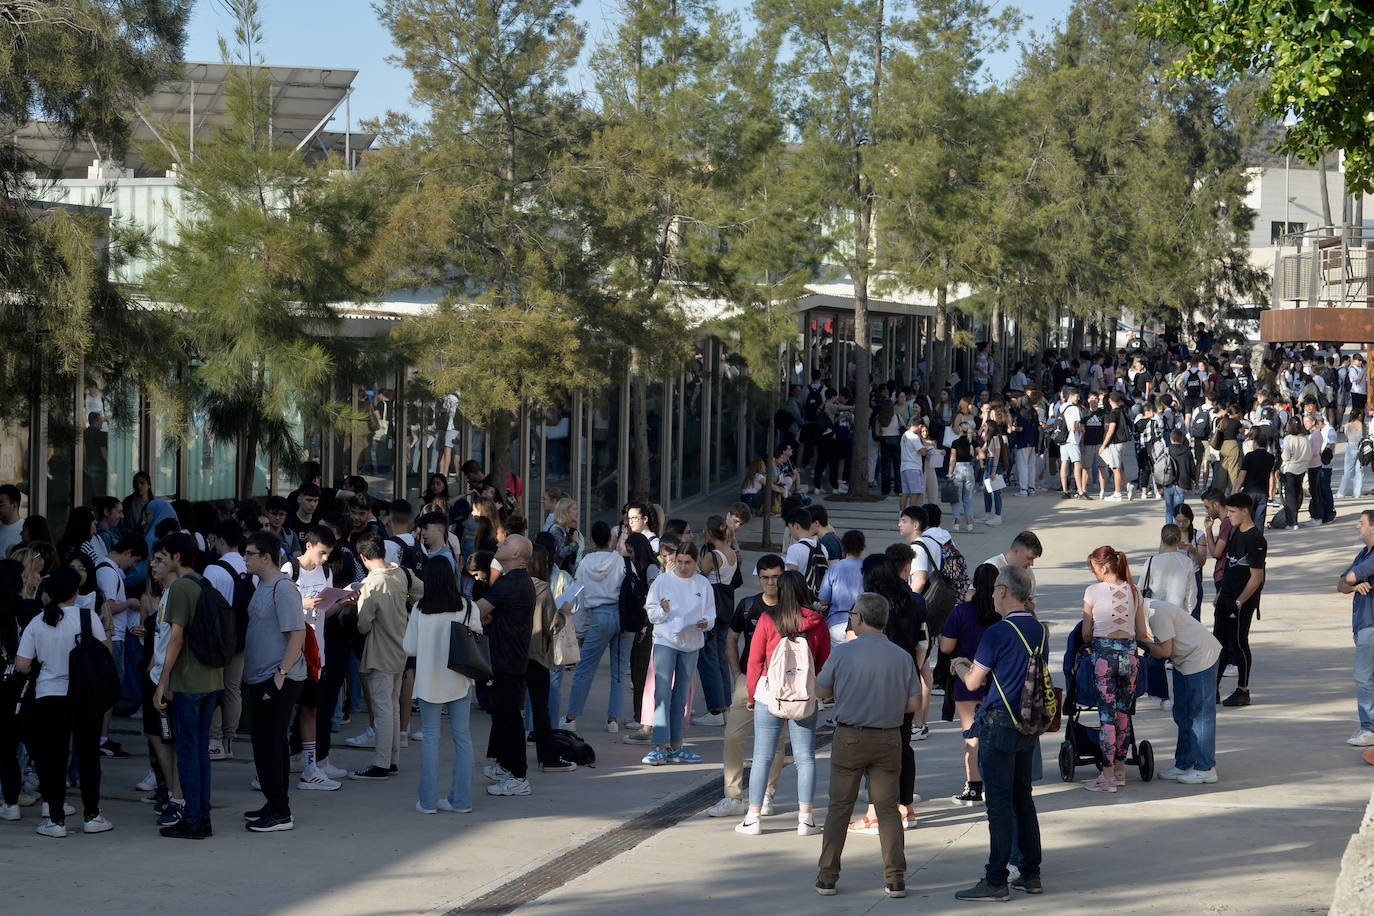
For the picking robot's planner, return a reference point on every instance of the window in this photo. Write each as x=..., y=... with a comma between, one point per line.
x=1277, y=230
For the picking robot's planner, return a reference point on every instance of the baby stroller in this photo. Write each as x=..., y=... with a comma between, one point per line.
x=1082, y=745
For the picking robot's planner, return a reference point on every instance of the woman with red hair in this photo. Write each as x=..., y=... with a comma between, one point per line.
x=1113, y=619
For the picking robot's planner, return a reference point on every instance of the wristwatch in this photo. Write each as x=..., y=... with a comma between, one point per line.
x=283, y=672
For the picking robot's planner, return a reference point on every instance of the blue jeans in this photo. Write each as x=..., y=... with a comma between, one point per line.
x=992, y=502
x=802, y=732
x=460, y=783
x=1004, y=758
x=1173, y=498
x=1195, y=713
x=1364, y=677
x=717, y=684
x=1259, y=508
x=603, y=632
x=191, y=715
x=1328, y=502
x=963, y=479
x=1352, y=476
x=672, y=680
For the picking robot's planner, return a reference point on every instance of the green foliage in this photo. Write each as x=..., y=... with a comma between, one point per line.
x=1317, y=60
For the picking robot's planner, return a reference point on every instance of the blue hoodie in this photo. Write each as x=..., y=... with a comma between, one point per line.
x=158, y=509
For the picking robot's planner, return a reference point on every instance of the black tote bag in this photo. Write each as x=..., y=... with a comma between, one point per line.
x=469, y=653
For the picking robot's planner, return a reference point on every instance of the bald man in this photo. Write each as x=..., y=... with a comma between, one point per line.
x=508, y=623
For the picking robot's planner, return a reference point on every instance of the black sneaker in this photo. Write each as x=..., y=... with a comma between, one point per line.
x=562, y=766
x=985, y=892
x=1238, y=698
x=186, y=830
x=257, y=813
x=969, y=797
x=1029, y=885
x=112, y=751
x=825, y=888
x=895, y=889
x=271, y=823
x=372, y=772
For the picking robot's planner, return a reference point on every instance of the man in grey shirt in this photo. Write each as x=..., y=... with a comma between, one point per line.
x=874, y=683
x=274, y=672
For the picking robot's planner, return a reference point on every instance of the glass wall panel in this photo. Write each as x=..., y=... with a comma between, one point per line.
x=558, y=427
x=730, y=385
x=14, y=459
x=111, y=442
x=166, y=466
x=212, y=462
x=693, y=408
x=603, y=457
x=342, y=462
x=61, y=454
x=657, y=412
x=375, y=438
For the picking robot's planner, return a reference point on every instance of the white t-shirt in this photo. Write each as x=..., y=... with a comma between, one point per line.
x=1359, y=380
x=221, y=580
x=799, y=553
x=393, y=550
x=1195, y=649
x=911, y=451
x=162, y=636
x=921, y=562
x=1000, y=561
x=51, y=647
x=1172, y=578
x=9, y=536
x=311, y=582
x=1073, y=414
x=109, y=579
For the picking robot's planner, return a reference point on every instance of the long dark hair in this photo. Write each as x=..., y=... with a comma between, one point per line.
x=984, y=578
x=441, y=587
x=58, y=588
x=642, y=554
x=11, y=604
x=904, y=613
x=77, y=533
x=793, y=595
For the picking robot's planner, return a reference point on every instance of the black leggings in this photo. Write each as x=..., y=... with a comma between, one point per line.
x=1234, y=635
x=11, y=780
x=640, y=652
x=906, y=780
x=58, y=726
x=537, y=684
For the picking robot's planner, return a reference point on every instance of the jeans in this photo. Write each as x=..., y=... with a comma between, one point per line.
x=992, y=502
x=1004, y=758
x=963, y=479
x=802, y=732
x=603, y=632
x=1173, y=498
x=385, y=689
x=1259, y=511
x=1195, y=713
x=191, y=714
x=716, y=680
x=889, y=460
x=1364, y=677
x=672, y=679
x=1025, y=468
x=460, y=783
x=1352, y=476
x=1328, y=500
x=270, y=732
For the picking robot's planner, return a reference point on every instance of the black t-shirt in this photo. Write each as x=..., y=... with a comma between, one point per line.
x=1245, y=550
x=512, y=621
x=1122, y=433
x=745, y=620
x=1258, y=466
x=1093, y=428
x=962, y=449
x=1230, y=428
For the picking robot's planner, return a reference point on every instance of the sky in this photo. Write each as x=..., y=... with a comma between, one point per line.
x=345, y=34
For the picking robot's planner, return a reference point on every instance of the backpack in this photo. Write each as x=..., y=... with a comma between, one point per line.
x=817, y=565
x=212, y=637
x=940, y=597
x=1366, y=454
x=572, y=748
x=411, y=558
x=1192, y=384
x=1038, y=702
x=634, y=591
x=1201, y=426
x=93, y=682
x=953, y=568
x=815, y=403
x=243, y=596
x=1061, y=430
x=1165, y=469
x=792, y=679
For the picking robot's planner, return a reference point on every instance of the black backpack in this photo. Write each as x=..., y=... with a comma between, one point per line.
x=1366, y=453
x=93, y=682
x=411, y=557
x=815, y=403
x=572, y=747
x=939, y=594
x=1061, y=430
x=1192, y=383
x=212, y=635
x=243, y=596
x=817, y=565
x=1201, y=427
x=634, y=591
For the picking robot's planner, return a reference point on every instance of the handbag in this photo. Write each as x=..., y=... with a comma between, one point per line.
x=1145, y=590
x=994, y=483
x=949, y=491
x=566, y=651
x=948, y=438
x=469, y=652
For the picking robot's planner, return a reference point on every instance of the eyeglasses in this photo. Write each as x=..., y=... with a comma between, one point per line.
x=249, y=554
x=770, y=578
x=634, y=518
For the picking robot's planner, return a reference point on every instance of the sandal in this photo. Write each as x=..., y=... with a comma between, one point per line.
x=1103, y=783
x=865, y=825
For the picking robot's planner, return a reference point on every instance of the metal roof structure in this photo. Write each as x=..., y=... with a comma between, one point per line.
x=304, y=101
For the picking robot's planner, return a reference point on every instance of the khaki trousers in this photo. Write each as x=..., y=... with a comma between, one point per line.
x=877, y=754
x=739, y=734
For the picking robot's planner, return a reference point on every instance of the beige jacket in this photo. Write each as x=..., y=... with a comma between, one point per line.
x=384, y=603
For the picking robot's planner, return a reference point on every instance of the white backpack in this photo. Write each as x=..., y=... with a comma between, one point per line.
x=792, y=679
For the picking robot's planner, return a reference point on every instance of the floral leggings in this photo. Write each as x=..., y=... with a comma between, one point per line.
x=1115, y=667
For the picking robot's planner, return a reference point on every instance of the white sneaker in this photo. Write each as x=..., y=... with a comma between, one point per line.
x=1198, y=777
x=495, y=772
x=749, y=828
x=1361, y=738
x=1114, y=498
x=710, y=718
x=446, y=805
x=10, y=812
x=405, y=739
x=417, y=735
x=510, y=786
x=48, y=828
x=421, y=809
x=768, y=809
x=1175, y=773
x=328, y=769
x=97, y=824
x=633, y=725
x=993, y=521
x=147, y=783
x=612, y=727
x=1231, y=671
x=726, y=807
x=567, y=724
x=253, y=783
x=808, y=828
x=318, y=782
x=366, y=739
x=1130, y=492
x=67, y=810
x=28, y=797
x=1166, y=705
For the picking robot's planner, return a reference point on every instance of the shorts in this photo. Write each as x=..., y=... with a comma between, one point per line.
x=1113, y=456
x=913, y=482
x=451, y=438
x=1090, y=456
x=1070, y=452
x=310, y=693
x=152, y=719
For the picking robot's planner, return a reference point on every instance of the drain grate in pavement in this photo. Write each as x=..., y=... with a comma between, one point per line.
x=528, y=887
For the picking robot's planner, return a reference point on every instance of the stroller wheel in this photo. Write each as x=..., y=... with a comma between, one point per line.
x=1147, y=761
x=1066, y=760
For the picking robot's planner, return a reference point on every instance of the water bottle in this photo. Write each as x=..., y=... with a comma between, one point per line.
x=165, y=725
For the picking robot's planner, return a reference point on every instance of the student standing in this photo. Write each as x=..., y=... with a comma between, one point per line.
x=1238, y=596
x=681, y=607
x=1356, y=580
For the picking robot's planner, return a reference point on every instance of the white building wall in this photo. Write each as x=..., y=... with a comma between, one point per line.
x=152, y=203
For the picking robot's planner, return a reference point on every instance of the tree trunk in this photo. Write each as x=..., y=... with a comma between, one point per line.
x=939, y=351
x=639, y=421
x=858, y=461
x=250, y=463
x=502, y=437
x=767, y=511
x=997, y=345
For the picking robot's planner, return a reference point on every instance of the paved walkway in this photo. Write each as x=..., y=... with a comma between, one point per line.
x=1266, y=839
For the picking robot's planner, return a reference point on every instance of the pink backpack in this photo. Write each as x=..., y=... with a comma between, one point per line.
x=792, y=679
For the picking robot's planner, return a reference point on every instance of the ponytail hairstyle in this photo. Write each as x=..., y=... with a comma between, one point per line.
x=1114, y=561
x=58, y=589
x=1186, y=511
